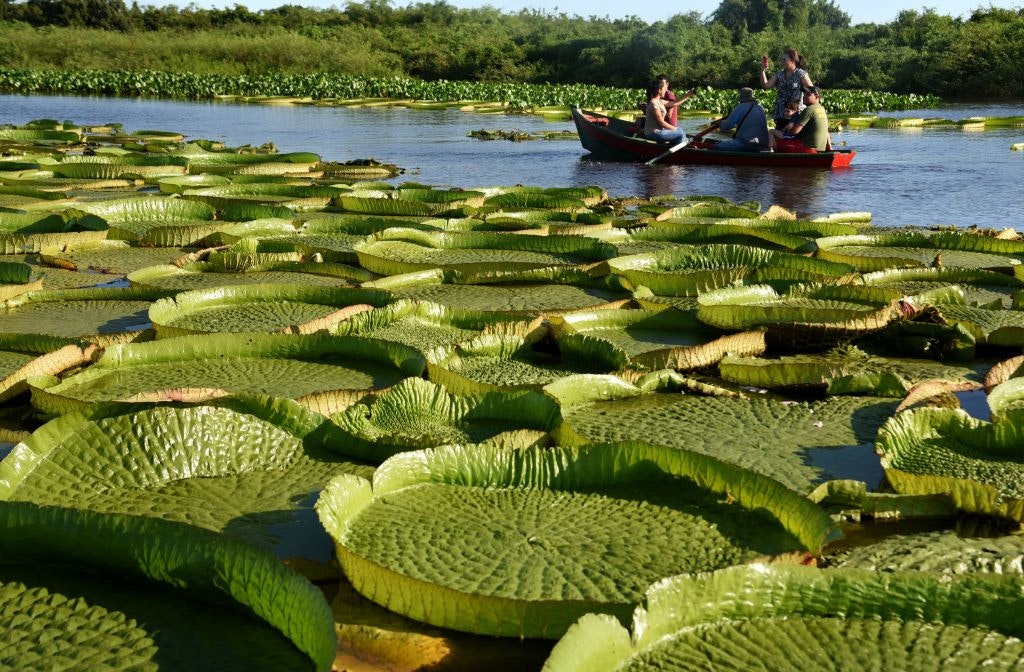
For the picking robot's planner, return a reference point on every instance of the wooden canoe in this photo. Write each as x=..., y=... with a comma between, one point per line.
x=610, y=138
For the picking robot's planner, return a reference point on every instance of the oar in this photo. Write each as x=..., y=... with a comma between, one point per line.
x=675, y=148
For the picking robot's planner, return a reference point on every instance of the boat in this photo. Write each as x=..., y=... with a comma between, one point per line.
x=619, y=140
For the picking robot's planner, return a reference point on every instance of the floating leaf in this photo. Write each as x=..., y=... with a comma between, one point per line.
x=770, y=617
x=574, y=529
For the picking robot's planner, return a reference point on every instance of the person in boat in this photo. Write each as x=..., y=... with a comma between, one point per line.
x=788, y=83
x=751, y=124
x=810, y=129
x=656, y=125
x=776, y=134
x=669, y=97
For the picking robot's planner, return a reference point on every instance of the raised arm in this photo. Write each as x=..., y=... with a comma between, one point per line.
x=678, y=101
x=766, y=81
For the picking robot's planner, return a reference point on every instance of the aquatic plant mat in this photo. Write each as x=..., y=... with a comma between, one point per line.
x=323, y=416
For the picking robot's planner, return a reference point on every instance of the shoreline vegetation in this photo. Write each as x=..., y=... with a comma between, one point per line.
x=919, y=52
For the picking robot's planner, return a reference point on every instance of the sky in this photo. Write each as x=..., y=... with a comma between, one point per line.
x=863, y=11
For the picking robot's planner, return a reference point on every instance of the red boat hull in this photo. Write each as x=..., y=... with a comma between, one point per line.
x=610, y=138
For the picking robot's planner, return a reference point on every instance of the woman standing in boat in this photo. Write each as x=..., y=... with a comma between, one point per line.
x=656, y=124
x=788, y=82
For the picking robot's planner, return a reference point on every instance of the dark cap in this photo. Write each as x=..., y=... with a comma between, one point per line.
x=812, y=89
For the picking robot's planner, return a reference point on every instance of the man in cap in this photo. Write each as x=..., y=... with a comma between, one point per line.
x=810, y=129
x=751, y=124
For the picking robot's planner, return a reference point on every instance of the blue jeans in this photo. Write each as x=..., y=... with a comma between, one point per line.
x=665, y=135
x=738, y=146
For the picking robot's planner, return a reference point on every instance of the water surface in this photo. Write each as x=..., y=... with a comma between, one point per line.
x=903, y=176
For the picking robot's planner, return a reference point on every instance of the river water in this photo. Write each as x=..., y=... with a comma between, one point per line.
x=902, y=176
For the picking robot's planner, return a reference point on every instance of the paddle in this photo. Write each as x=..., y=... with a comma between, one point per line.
x=675, y=148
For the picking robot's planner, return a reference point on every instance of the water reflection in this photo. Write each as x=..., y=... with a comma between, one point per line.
x=797, y=189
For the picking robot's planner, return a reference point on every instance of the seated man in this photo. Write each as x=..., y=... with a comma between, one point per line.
x=810, y=129
x=751, y=124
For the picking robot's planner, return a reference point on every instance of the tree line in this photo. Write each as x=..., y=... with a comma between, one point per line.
x=924, y=52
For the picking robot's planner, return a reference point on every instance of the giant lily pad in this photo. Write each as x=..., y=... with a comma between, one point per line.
x=994, y=326
x=28, y=243
x=561, y=291
x=689, y=271
x=289, y=195
x=847, y=370
x=961, y=249
x=222, y=163
x=805, y=316
x=946, y=451
x=427, y=326
x=510, y=362
x=777, y=617
x=101, y=316
x=51, y=222
x=660, y=339
x=322, y=371
x=943, y=552
x=200, y=275
x=786, y=235
x=798, y=444
x=396, y=251
x=560, y=531
x=113, y=167
x=82, y=589
x=23, y=356
x=261, y=308
x=250, y=468
x=417, y=414
x=108, y=257
x=50, y=278
x=980, y=286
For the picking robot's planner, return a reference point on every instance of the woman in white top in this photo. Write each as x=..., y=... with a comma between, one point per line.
x=656, y=125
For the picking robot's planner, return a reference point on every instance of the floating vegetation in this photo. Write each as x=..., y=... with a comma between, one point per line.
x=520, y=136
x=518, y=411
x=547, y=100
x=918, y=123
